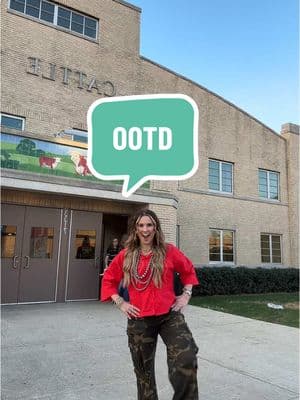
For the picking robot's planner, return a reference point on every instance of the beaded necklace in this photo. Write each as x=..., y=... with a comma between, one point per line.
x=141, y=282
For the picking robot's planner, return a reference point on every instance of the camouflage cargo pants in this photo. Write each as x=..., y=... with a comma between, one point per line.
x=181, y=354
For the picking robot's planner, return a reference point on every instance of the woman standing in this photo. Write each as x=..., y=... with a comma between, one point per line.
x=147, y=266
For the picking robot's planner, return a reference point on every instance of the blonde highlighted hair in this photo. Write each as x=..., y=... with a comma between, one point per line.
x=132, y=246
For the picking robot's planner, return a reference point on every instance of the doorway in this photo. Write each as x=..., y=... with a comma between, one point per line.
x=54, y=254
x=114, y=226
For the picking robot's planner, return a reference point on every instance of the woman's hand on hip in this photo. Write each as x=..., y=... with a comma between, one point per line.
x=129, y=310
x=180, y=302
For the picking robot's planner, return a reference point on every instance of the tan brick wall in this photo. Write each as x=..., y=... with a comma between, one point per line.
x=50, y=106
x=225, y=132
x=228, y=134
x=291, y=133
x=168, y=219
x=197, y=214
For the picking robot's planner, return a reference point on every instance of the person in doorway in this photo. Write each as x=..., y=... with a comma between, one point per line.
x=85, y=250
x=112, y=250
x=147, y=266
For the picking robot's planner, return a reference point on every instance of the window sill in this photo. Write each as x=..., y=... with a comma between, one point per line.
x=229, y=194
x=269, y=200
x=222, y=264
x=272, y=265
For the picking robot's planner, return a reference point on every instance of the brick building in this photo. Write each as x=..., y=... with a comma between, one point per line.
x=240, y=208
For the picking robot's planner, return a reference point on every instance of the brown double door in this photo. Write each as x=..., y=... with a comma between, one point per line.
x=29, y=253
x=47, y=257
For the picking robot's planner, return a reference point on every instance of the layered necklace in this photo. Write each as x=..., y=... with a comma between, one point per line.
x=141, y=281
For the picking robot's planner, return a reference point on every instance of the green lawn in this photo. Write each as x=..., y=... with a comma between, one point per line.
x=255, y=306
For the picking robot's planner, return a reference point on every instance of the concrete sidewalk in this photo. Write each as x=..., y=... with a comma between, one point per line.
x=78, y=351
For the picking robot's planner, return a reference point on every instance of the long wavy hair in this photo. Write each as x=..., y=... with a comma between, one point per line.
x=132, y=246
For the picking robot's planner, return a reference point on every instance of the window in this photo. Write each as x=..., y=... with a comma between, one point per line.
x=18, y=5
x=33, y=8
x=85, y=243
x=268, y=184
x=77, y=23
x=63, y=17
x=12, y=122
x=47, y=12
x=57, y=15
x=220, y=176
x=8, y=240
x=221, y=246
x=74, y=134
x=270, y=248
x=41, y=242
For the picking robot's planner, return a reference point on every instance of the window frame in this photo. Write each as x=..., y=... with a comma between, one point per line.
x=178, y=236
x=13, y=117
x=55, y=18
x=270, y=235
x=221, y=262
x=72, y=133
x=44, y=20
x=268, y=171
x=220, y=177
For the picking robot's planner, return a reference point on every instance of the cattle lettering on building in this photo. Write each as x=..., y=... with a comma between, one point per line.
x=66, y=76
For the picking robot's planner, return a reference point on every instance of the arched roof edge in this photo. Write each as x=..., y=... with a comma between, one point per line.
x=213, y=93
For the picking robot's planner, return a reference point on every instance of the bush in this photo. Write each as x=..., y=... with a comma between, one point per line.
x=226, y=280
x=13, y=164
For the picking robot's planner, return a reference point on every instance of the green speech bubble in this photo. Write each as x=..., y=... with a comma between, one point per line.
x=138, y=138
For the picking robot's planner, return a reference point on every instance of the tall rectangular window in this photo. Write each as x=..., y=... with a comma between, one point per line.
x=221, y=246
x=77, y=23
x=220, y=176
x=47, y=12
x=52, y=13
x=270, y=245
x=18, y=5
x=12, y=122
x=64, y=18
x=268, y=184
x=90, y=27
x=33, y=8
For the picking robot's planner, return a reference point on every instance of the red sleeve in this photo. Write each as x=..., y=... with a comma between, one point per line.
x=183, y=265
x=112, y=277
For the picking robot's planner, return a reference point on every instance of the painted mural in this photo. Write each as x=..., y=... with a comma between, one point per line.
x=27, y=154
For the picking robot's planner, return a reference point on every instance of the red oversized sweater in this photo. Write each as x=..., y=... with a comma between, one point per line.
x=152, y=301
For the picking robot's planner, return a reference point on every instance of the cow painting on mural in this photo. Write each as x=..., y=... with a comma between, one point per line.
x=49, y=162
x=80, y=163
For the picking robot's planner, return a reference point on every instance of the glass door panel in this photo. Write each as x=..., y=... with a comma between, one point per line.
x=41, y=242
x=8, y=240
x=85, y=241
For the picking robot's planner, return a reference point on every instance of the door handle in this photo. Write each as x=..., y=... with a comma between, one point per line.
x=15, y=262
x=27, y=265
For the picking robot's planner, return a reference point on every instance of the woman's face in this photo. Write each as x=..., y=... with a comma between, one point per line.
x=145, y=230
